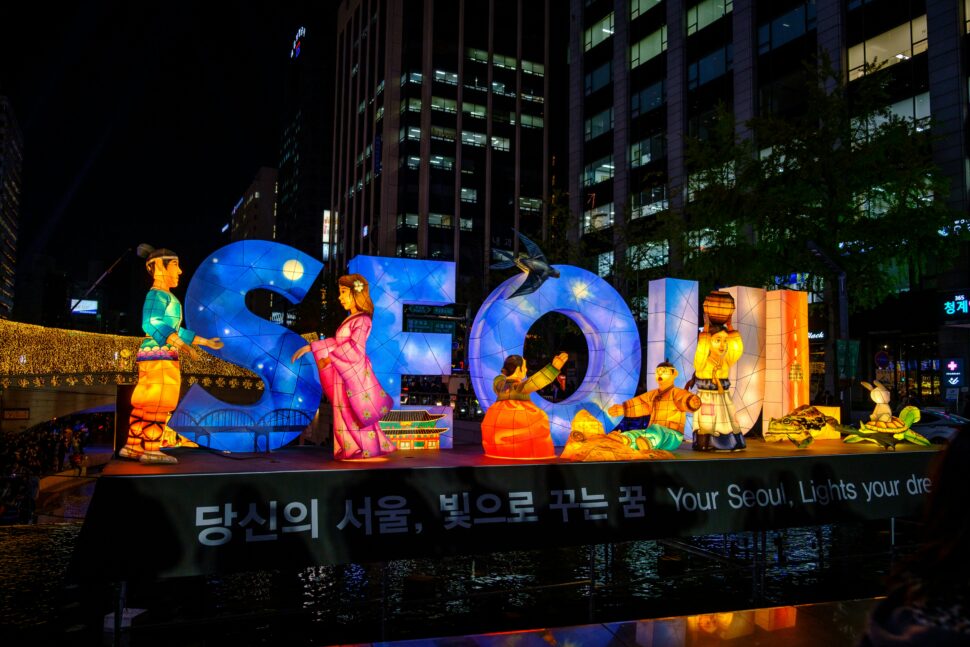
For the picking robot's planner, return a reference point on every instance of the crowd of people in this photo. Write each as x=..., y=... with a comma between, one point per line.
x=49, y=448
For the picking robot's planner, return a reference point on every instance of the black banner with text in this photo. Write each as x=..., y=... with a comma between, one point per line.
x=179, y=525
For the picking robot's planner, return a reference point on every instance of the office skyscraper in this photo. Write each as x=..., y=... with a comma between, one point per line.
x=442, y=131
x=11, y=162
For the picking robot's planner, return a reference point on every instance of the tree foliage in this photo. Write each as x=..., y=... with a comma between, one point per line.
x=844, y=173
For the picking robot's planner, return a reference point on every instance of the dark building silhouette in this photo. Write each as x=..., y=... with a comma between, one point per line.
x=304, y=166
x=11, y=162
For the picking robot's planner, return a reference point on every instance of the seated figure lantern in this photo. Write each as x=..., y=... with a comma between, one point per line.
x=159, y=378
x=514, y=427
x=667, y=406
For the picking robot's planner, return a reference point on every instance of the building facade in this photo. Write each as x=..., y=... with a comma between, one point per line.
x=254, y=218
x=442, y=140
x=646, y=73
x=11, y=163
x=304, y=166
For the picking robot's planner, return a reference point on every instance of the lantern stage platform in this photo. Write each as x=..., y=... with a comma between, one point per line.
x=298, y=507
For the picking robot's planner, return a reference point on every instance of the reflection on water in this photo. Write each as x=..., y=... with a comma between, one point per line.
x=554, y=587
x=33, y=563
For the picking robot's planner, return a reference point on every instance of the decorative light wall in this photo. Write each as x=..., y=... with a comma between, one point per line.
x=786, y=365
x=748, y=374
x=672, y=321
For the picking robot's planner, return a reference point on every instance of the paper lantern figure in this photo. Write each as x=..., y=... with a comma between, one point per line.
x=667, y=406
x=514, y=427
x=159, y=379
x=718, y=347
x=348, y=379
x=589, y=442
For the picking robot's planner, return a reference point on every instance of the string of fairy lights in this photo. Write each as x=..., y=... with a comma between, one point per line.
x=39, y=357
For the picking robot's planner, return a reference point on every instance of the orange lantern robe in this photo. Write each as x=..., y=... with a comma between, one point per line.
x=514, y=427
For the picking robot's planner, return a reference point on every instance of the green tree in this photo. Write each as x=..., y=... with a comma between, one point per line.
x=843, y=185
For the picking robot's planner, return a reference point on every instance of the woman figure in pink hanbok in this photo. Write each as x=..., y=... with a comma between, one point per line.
x=348, y=378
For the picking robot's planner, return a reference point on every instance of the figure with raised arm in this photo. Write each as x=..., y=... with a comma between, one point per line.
x=514, y=427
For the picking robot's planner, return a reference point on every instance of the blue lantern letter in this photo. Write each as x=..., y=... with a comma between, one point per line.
x=599, y=311
x=216, y=307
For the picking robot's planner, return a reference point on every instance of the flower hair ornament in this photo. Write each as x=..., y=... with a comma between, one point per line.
x=358, y=286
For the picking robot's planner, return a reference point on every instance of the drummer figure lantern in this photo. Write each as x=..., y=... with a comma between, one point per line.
x=159, y=379
x=718, y=347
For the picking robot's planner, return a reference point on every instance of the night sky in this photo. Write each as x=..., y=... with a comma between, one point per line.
x=142, y=123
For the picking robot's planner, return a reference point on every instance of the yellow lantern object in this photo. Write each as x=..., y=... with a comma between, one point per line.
x=719, y=306
x=587, y=424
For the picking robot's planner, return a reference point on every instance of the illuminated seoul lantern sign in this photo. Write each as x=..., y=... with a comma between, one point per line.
x=215, y=306
x=610, y=330
x=298, y=42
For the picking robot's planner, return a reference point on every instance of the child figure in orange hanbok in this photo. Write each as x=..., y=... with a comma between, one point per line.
x=514, y=427
x=159, y=379
x=348, y=379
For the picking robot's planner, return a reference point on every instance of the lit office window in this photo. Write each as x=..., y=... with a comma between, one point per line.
x=599, y=124
x=474, y=110
x=598, y=33
x=537, y=69
x=505, y=62
x=649, y=47
x=640, y=7
x=599, y=171
x=441, y=76
x=442, y=162
x=647, y=99
x=890, y=47
x=442, y=133
x=532, y=205
x=644, y=256
x=465, y=224
x=786, y=27
x=469, y=195
x=479, y=55
x=706, y=12
x=473, y=139
x=500, y=143
x=439, y=220
x=599, y=78
x=444, y=104
x=598, y=218
x=701, y=240
x=649, y=202
x=531, y=121
x=707, y=68
x=408, y=220
x=647, y=150
x=604, y=263
x=407, y=250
